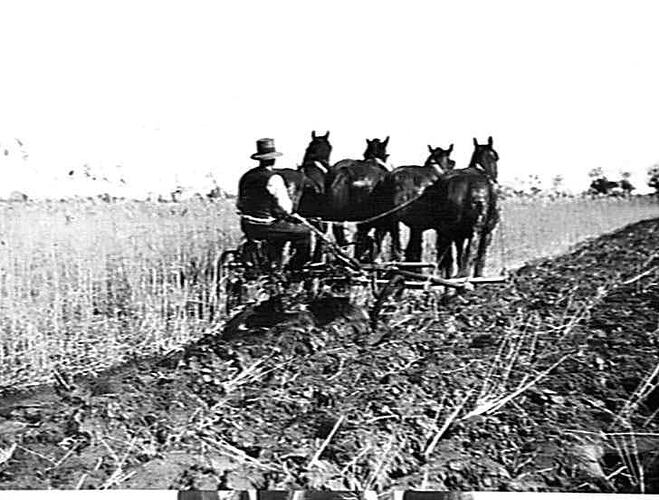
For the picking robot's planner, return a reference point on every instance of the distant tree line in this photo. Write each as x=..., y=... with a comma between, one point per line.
x=600, y=184
x=653, y=177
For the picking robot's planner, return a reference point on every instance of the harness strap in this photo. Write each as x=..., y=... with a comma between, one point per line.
x=481, y=168
x=382, y=163
x=389, y=212
x=264, y=221
x=322, y=167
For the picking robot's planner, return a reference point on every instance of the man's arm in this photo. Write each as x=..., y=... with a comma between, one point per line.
x=277, y=188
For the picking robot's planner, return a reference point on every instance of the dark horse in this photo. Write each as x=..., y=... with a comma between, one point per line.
x=306, y=184
x=335, y=193
x=461, y=206
x=339, y=192
x=465, y=209
x=400, y=188
x=315, y=166
x=350, y=185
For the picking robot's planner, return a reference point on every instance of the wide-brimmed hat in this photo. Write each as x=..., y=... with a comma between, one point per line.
x=265, y=150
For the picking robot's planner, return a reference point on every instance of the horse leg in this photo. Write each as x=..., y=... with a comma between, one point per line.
x=443, y=247
x=470, y=254
x=380, y=233
x=396, y=250
x=339, y=231
x=483, y=245
x=364, y=245
x=414, y=246
x=486, y=239
x=319, y=244
x=391, y=227
x=463, y=250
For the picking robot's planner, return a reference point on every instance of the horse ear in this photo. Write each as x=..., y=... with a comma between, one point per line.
x=489, y=141
x=386, y=141
x=430, y=148
x=450, y=149
x=313, y=134
x=475, y=142
x=327, y=135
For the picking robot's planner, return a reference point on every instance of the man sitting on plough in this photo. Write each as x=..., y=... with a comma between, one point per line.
x=265, y=209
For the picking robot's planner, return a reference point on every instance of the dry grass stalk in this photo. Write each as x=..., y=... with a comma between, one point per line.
x=507, y=356
x=114, y=455
x=652, y=416
x=383, y=460
x=327, y=440
x=36, y=454
x=64, y=457
x=237, y=455
x=5, y=455
x=248, y=375
x=355, y=459
x=615, y=473
x=645, y=388
x=119, y=476
x=614, y=434
x=639, y=465
x=490, y=406
x=81, y=481
x=447, y=423
x=625, y=443
x=640, y=276
x=627, y=450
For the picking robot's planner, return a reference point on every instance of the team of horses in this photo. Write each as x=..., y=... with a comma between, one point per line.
x=460, y=205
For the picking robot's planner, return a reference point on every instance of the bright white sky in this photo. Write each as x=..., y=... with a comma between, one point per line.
x=184, y=88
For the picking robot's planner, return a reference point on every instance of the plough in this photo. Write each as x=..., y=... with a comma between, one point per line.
x=246, y=276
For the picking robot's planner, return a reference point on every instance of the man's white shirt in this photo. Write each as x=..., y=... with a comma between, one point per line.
x=277, y=188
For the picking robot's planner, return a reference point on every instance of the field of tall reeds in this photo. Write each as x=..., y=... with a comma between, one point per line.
x=87, y=285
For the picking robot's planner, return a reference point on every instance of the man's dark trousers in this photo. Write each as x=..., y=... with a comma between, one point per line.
x=277, y=234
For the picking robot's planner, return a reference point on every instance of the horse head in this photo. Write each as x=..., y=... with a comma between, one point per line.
x=440, y=158
x=315, y=163
x=319, y=149
x=485, y=158
x=377, y=150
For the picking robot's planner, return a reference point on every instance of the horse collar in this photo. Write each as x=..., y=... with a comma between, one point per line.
x=382, y=163
x=430, y=163
x=322, y=167
x=480, y=167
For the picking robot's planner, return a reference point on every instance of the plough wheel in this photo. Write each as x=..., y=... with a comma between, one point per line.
x=230, y=284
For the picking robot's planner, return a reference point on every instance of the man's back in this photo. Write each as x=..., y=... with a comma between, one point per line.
x=253, y=196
